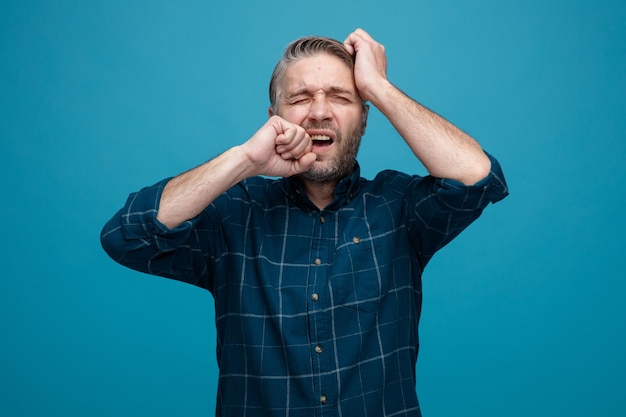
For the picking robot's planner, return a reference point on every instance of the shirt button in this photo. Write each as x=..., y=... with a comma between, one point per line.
x=318, y=349
x=322, y=219
x=318, y=261
x=356, y=240
x=323, y=399
x=315, y=296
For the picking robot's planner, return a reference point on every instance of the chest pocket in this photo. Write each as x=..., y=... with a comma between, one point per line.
x=358, y=278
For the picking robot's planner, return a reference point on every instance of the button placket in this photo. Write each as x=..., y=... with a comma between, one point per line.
x=322, y=248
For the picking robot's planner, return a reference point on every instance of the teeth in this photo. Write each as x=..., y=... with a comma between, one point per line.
x=320, y=137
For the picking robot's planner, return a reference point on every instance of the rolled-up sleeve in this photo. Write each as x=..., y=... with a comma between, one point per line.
x=458, y=196
x=450, y=207
x=135, y=238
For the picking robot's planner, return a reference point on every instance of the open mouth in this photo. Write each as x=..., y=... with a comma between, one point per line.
x=321, y=140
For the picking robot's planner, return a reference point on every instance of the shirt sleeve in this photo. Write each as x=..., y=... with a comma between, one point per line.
x=442, y=208
x=135, y=238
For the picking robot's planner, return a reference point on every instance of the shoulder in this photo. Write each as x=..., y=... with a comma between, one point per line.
x=392, y=181
x=257, y=190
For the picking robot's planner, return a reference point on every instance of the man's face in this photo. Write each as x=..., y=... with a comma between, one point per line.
x=319, y=94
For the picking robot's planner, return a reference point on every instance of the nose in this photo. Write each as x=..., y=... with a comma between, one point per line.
x=320, y=109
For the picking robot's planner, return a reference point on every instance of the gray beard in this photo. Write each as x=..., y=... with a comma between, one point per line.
x=343, y=163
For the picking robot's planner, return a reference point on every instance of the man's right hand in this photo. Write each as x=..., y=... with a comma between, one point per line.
x=279, y=149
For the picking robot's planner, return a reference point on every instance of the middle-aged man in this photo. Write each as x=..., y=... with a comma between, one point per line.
x=315, y=271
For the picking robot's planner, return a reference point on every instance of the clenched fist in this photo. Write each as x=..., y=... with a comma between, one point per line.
x=280, y=149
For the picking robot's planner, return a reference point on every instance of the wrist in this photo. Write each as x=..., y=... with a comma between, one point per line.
x=242, y=161
x=380, y=93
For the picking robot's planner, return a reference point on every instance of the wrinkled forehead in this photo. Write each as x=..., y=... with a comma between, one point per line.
x=319, y=71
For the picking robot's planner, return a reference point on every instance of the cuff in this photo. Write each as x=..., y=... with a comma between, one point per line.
x=458, y=196
x=139, y=220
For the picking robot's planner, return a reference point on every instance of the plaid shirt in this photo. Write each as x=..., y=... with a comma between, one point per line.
x=316, y=311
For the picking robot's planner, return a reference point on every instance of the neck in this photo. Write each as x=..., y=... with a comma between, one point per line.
x=320, y=193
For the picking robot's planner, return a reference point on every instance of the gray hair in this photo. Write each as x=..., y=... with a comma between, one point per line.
x=302, y=48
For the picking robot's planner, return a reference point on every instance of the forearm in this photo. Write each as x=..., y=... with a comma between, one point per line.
x=278, y=148
x=444, y=149
x=185, y=196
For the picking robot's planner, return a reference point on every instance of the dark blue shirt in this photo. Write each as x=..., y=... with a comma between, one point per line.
x=316, y=311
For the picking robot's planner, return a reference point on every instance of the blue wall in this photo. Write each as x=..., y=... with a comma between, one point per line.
x=523, y=314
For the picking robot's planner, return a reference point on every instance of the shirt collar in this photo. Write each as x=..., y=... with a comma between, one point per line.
x=345, y=191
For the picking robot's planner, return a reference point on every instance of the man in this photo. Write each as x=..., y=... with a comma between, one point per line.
x=316, y=275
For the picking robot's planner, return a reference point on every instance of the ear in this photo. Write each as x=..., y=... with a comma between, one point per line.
x=270, y=112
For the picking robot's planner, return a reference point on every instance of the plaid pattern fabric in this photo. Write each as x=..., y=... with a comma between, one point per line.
x=316, y=311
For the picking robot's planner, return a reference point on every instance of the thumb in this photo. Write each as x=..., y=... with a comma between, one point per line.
x=304, y=163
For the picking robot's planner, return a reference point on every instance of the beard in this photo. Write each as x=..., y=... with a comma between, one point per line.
x=344, y=160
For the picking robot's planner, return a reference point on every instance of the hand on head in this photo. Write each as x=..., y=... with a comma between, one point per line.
x=370, y=68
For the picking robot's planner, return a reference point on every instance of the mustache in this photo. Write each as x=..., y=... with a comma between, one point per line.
x=321, y=126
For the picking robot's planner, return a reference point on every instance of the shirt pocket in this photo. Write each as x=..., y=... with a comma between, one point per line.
x=358, y=280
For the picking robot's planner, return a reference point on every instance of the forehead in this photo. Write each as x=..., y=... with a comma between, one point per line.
x=318, y=72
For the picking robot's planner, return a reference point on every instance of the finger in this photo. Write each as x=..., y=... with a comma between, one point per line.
x=285, y=131
x=363, y=34
x=285, y=138
x=359, y=40
x=352, y=42
x=281, y=143
x=302, y=147
x=292, y=134
x=290, y=139
x=296, y=148
x=348, y=44
x=356, y=37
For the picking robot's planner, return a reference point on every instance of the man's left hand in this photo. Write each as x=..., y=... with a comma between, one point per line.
x=370, y=68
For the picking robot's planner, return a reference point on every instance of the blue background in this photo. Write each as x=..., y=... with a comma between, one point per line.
x=524, y=313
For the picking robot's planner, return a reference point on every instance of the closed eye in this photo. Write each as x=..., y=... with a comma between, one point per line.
x=341, y=99
x=299, y=100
